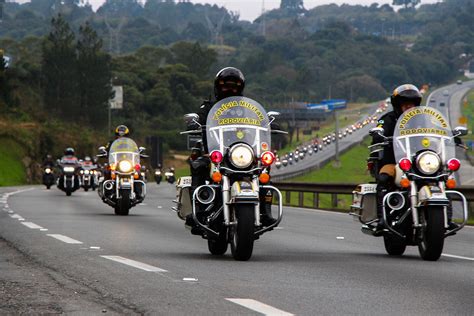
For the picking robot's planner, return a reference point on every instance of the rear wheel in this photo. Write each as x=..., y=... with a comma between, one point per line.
x=394, y=245
x=123, y=203
x=432, y=239
x=243, y=233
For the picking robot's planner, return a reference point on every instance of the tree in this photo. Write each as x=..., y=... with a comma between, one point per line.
x=406, y=3
x=94, y=76
x=292, y=5
x=59, y=70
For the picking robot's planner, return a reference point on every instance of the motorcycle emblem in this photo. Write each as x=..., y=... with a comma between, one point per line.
x=425, y=142
x=240, y=134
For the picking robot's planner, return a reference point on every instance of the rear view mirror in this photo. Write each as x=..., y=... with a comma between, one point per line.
x=460, y=131
x=102, y=152
x=191, y=117
x=273, y=113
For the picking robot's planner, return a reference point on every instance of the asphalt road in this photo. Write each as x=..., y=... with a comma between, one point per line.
x=316, y=263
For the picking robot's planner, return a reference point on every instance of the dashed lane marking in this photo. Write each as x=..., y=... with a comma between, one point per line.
x=258, y=306
x=135, y=264
x=65, y=239
x=31, y=225
x=18, y=217
x=457, y=257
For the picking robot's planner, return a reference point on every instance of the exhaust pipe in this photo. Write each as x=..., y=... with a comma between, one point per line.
x=206, y=195
x=396, y=201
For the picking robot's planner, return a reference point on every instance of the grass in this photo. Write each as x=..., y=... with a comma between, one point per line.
x=12, y=170
x=468, y=112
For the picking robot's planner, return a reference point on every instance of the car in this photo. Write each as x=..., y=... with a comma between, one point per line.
x=442, y=104
x=459, y=82
x=445, y=93
x=432, y=100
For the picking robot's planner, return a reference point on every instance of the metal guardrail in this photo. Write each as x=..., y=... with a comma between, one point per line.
x=335, y=189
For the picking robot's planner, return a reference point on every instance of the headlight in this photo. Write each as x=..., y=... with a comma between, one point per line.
x=241, y=156
x=125, y=166
x=86, y=171
x=158, y=173
x=47, y=170
x=428, y=162
x=69, y=169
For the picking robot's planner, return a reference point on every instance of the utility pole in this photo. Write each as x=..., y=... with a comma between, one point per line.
x=337, y=162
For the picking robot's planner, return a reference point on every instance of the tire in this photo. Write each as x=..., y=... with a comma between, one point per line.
x=68, y=193
x=394, y=245
x=123, y=204
x=86, y=189
x=431, y=245
x=218, y=246
x=242, y=236
x=48, y=187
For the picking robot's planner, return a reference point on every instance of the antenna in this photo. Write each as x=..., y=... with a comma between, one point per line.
x=114, y=34
x=215, y=29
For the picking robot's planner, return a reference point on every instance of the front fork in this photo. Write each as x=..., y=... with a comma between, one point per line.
x=226, y=200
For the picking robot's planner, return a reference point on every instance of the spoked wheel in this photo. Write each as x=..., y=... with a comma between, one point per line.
x=123, y=203
x=218, y=246
x=242, y=236
x=432, y=241
x=394, y=245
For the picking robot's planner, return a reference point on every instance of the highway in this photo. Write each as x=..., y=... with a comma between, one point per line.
x=316, y=262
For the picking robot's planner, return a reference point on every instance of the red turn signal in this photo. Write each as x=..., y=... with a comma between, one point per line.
x=216, y=156
x=405, y=164
x=137, y=167
x=454, y=164
x=267, y=158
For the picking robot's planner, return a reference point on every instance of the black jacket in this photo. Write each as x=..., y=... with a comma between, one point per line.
x=388, y=123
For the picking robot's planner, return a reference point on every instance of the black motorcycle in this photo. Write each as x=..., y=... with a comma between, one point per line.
x=88, y=177
x=419, y=212
x=123, y=186
x=170, y=176
x=228, y=208
x=68, y=180
x=158, y=176
x=48, y=176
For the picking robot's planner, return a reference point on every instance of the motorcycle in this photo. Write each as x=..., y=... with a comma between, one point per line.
x=169, y=176
x=158, y=176
x=123, y=187
x=227, y=209
x=68, y=180
x=88, y=177
x=419, y=211
x=48, y=177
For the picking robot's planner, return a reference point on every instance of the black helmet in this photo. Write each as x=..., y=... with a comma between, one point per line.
x=405, y=93
x=69, y=151
x=87, y=158
x=121, y=131
x=229, y=82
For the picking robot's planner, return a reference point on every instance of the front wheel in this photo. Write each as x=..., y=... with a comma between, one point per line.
x=394, y=245
x=68, y=193
x=123, y=203
x=432, y=238
x=243, y=233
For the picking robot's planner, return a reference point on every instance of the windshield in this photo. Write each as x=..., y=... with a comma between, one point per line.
x=124, y=149
x=423, y=128
x=238, y=120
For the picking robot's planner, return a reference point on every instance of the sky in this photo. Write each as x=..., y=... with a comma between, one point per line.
x=251, y=9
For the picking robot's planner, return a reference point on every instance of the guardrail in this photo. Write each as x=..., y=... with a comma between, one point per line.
x=336, y=189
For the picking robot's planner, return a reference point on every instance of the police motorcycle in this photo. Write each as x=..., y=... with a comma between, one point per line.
x=48, y=176
x=123, y=187
x=170, y=176
x=158, y=175
x=419, y=211
x=68, y=179
x=227, y=209
x=88, y=177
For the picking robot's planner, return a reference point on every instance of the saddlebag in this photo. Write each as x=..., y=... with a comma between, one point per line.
x=364, y=202
x=183, y=198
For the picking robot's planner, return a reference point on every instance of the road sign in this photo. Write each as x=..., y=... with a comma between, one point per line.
x=117, y=101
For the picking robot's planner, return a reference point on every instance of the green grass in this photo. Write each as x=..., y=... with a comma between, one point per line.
x=12, y=171
x=353, y=168
x=468, y=112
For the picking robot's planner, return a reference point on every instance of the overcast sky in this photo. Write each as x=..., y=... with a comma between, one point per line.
x=251, y=9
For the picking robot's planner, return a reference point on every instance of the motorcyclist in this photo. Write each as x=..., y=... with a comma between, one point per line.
x=228, y=82
x=403, y=98
x=69, y=156
x=48, y=162
x=120, y=131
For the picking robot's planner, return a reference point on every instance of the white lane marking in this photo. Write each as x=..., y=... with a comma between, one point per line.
x=135, y=264
x=340, y=238
x=94, y=247
x=65, y=239
x=258, y=306
x=43, y=229
x=18, y=217
x=19, y=191
x=190, y=279
x=159, y=206
x=143, y=204
x=457, y=257
x=31, y=225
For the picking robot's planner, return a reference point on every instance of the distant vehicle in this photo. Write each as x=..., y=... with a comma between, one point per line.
x=432, y=100
x=459, y=82
x=442, y=104
x=445, y=93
